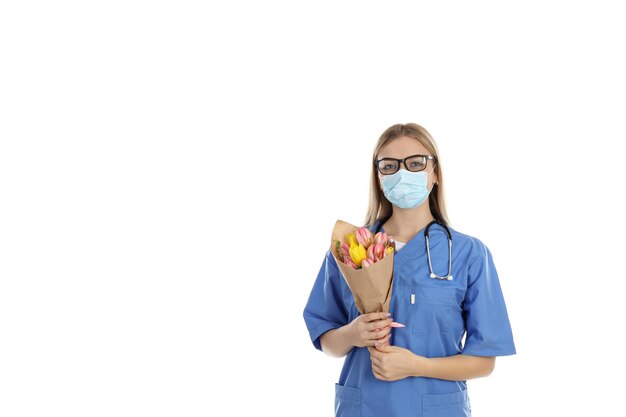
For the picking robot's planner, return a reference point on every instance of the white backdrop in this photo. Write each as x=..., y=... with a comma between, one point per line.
x=170, y=173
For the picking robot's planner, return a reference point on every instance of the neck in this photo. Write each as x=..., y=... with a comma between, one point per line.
x=409, y=221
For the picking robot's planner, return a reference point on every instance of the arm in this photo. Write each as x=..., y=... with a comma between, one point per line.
x=390, y=363
x=365, y=330
x=454, y=368
x=337, y=342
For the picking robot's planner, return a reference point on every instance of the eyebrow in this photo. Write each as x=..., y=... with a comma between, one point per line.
x=406, y=156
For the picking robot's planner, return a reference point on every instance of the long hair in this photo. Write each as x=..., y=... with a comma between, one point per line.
x=379, y=207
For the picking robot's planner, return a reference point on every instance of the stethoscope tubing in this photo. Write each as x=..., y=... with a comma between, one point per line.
x=448, y=276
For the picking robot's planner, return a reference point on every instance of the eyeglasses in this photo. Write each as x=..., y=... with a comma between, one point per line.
x=413, y=163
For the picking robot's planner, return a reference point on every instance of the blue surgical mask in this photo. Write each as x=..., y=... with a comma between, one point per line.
x=406, y=189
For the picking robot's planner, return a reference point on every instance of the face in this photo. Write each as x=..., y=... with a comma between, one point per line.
x=402, y=147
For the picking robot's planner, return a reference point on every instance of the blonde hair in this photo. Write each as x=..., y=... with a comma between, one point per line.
x=379, y=207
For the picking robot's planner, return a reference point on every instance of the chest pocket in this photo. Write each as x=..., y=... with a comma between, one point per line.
x=436, y=308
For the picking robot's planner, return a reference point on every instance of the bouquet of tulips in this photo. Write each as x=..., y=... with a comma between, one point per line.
x=363, y=249
x=366, y=263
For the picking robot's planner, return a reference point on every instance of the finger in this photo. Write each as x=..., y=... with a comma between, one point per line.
x=372, y=337
x=383, y=348
x=389, y=326
x=377, y=374
x=374, y=353
x=370, y=342
x=375, y=360
x=376, y=316
x=381, y=334
x=375, y=368
x=383, y=340
x=377, y=333
x=378, y=324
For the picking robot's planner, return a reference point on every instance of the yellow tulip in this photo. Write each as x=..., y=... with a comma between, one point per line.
x=358, y=253
x=352, y=240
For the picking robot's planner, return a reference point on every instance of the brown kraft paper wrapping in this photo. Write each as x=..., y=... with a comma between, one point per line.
x=370, y=286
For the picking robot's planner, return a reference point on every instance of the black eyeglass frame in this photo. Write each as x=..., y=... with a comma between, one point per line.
x=403, y=162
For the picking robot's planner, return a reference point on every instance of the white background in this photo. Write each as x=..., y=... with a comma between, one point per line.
x=170, y=173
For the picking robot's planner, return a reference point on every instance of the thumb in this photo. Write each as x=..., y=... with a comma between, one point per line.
x=384, y=348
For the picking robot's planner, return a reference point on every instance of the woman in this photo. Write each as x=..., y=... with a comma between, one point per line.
x=423, y=369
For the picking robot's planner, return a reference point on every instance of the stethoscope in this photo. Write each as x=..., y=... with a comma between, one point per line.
x=448, y=276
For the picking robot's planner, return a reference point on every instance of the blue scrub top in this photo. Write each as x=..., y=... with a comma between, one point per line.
x=443, y=311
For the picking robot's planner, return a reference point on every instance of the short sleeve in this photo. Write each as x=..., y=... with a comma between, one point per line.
x=325, y=309
x=488, y=328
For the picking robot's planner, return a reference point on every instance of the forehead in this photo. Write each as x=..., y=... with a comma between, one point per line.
x=402, y=147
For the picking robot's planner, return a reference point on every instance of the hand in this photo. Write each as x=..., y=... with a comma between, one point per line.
x=390, y=363
x=367, y=329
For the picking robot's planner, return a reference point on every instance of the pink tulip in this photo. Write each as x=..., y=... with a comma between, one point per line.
x=367, y=262
x=386, y=250
x=345, y=250
x=375, y=252
x=348, y=261
x=381, y=238
x=378, y=251
x=364, y=236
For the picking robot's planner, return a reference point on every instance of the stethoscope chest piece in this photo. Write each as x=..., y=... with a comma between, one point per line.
x=433, y=275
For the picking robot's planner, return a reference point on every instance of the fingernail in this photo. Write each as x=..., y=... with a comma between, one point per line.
x=388, y=314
